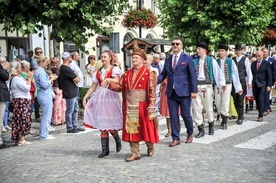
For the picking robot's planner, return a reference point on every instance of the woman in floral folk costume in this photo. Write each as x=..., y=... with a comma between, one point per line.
x=103, y=111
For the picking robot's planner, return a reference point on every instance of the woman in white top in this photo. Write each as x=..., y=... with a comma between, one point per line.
x=90, y=69
x=21, y=118
x=103, y=111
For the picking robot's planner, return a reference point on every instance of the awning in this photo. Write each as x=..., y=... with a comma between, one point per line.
x=146, y=44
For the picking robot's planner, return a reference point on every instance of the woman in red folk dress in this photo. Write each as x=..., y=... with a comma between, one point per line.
x=103, y=111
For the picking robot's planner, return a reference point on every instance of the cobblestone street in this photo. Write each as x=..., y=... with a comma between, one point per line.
x=245, y=153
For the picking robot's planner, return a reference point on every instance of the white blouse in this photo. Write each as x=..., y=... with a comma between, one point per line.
x=20, y=88
x=116, y=71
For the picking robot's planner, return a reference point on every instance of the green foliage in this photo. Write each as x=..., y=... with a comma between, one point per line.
x=71, y=20
x=215, y=21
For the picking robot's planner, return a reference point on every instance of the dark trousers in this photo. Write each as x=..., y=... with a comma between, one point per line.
x=239, y=99
x=267, y=101
x=36, y=107
x=185, y=105
x=259, y=95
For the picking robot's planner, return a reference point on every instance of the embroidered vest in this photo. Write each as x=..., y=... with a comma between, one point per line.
x=227, y=69
x=208, y=69
x=108, y=75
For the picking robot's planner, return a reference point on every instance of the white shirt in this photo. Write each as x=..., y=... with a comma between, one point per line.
x=161, y=64
x=178, y=55
x=116, y=71
x=19, y=88
x=74, y=66
x=247, y=67
x=218, y=76
x=157, y=73
x=235, y=74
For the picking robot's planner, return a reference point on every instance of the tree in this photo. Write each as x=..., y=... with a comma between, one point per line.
x=215, y=21
x=269, y=35
x=71, y=20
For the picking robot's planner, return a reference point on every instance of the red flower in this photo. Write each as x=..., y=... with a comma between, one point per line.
x=143, y=17
x=270, y=34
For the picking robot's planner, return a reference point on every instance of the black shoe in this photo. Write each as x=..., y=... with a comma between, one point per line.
x=239, y=122
x=3, y=146
x=73, y=131
x=81, y=129
x=224, y=126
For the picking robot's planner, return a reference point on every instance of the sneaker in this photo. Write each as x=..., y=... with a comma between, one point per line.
x=50, y=128
x=49, y=137
x=73, y=131
x=4, y=130
x=7, y=128
x=81, y=129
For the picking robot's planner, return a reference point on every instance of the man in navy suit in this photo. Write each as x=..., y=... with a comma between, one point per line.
x=272, y=63
x=262, y=81
x=181, y=89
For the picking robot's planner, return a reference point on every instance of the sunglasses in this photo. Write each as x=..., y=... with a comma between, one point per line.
x=175, y=44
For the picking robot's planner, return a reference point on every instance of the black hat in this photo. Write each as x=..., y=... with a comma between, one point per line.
x=202, y=45
x=238, y=46
x=222, y=46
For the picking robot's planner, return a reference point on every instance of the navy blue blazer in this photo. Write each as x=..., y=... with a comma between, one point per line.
x=183, y=77
x=272, y=61
x=263, y=76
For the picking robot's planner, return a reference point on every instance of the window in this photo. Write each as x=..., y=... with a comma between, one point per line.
x=69, y=46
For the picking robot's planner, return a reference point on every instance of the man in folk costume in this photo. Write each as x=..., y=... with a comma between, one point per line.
x=243, y=65
x=138, y=87
x=208, y=73
x=231, y=75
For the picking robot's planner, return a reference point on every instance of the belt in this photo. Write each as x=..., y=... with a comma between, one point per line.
x=203, y=83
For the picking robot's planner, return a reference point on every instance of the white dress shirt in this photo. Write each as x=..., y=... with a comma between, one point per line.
x=74, y=66
x=247, y=67
x=235, y=74
x=218, y=76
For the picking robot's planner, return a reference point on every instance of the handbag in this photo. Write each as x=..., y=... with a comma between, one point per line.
x=10, y=107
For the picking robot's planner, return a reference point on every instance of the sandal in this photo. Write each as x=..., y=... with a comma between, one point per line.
x=24, y=142
x=34, y=133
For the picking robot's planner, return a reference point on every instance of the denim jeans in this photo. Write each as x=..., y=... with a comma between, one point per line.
x=46, y=105
x=6, y=114
x=2, y=111
x=71, y=114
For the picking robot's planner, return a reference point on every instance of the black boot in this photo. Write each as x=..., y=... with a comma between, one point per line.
x=251, y=105
x=246, y=108
x=105, y=147
x=118, y=143
x=211, y=128
x=224, y=122
x=240, y=117
x=201, y=131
